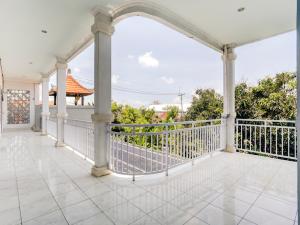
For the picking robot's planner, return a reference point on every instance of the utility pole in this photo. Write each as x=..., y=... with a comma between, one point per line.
x=181, y=96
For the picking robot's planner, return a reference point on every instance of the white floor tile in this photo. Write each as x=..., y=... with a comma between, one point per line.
x=147, y=202
x=195, y=221
x=38, y=208
x=70, y=198
x=124, y=213
x=10, y=217
x=242, y=194
x=96, y=189
x=170, y=215
x=55, y=217
x=216, y=216
x=98, y=219
x=108, y=200
x=189, y=204
x=81, y=211
x=261, y=216
x=231, y=205
x=246, y=222
x=229, y=183
x=146, y=220
x=281, y=208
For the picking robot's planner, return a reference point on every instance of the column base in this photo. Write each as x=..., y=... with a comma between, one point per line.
x=44, y=134
x=59, y=144
x=35, y=129
x=100, y=171
x=230, y=149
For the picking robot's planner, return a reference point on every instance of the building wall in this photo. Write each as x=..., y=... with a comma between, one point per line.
x=18, y=86
x=74, y=112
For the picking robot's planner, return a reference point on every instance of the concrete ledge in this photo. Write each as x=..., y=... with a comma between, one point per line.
x=100, y=171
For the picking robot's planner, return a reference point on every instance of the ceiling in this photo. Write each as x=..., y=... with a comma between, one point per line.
x=26, y=52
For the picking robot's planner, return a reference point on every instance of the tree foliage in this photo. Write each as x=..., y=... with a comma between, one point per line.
x=206, y=104
x=272, y=98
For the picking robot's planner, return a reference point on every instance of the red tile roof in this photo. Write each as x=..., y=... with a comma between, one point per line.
x=73, y=88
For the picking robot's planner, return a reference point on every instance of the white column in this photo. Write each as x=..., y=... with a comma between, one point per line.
x=229, y=113
x=45, y=104
x=298, y=101
x=102, y=30
x=61, y=74
x=36, y=102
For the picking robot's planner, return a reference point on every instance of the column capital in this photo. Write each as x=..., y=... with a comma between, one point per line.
x=61, y=63
x=228, y=53
x=103, y=23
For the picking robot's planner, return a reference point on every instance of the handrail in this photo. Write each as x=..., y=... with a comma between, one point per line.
x=164, y=124
x=135, y=152
x=274, y=138
x=263, y=120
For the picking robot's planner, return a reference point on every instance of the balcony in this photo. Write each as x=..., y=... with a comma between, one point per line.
x=223, y=171
x=204, y=185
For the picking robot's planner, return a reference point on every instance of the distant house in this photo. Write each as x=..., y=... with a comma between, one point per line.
x=161, y=109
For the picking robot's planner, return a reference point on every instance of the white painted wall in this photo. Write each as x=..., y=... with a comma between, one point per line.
x=19, y=86
x=74, y=112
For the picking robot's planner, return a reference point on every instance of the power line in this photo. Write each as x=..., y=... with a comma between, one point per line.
x=130, y=90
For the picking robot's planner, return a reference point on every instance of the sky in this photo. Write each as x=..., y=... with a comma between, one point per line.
x=158, y=62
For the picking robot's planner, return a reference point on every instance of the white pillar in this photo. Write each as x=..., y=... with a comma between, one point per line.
x=45, y=104
x=61, y=73
x=36, y=102
x=229, y=113
x=102, y=30
x=298, y=101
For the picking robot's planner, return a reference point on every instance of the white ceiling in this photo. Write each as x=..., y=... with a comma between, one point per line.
x=68, y=24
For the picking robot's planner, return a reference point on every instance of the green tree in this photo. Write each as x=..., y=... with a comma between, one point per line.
x=272, y=98
x=172, y=113
x=275, y=97
x=206, y=104
x=244, y=102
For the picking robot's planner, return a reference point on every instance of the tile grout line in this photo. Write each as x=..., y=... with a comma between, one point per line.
x=252, y=205
x=88, y=198
x=50, y=193
x=17, y=183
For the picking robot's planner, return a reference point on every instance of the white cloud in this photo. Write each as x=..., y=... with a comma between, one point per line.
x=130, y=56
x=115, y=78
x=167, y=80
x=148, y=60
x=76, y=70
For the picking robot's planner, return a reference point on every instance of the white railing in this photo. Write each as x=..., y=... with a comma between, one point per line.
x=51, y=126
x=276, y=138
x=79, y=135
x=155, y=148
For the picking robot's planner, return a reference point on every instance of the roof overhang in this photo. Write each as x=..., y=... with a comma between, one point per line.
x=26, y=52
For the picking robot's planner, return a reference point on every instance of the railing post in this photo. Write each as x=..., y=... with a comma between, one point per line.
x=193, y=141
x=167, y=150
x=133, y=174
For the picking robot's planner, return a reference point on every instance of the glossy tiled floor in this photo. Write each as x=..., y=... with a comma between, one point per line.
x=40, y=184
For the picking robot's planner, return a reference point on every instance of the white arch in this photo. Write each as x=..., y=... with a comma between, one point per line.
x=164, y=16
